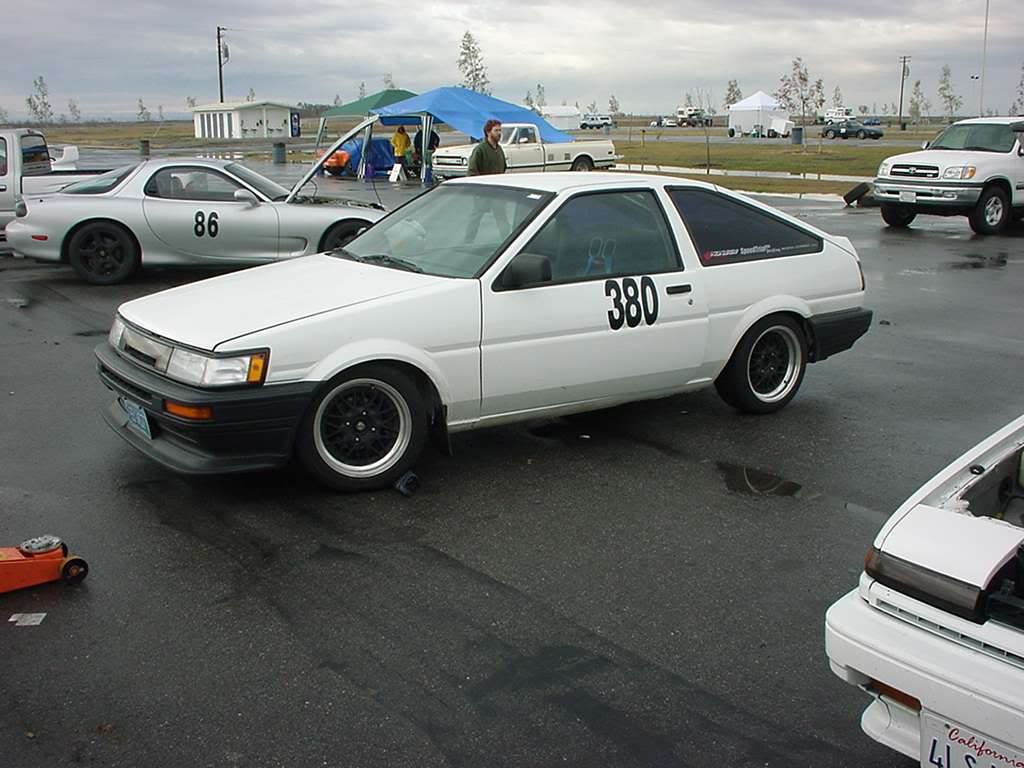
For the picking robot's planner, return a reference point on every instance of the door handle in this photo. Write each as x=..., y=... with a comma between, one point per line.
x=3, y=187
x=672, y=290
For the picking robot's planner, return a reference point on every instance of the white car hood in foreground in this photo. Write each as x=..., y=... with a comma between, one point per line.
x=214, y=311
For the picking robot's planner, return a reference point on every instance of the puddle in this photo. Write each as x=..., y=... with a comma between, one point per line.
x=755, y=482
x=977, y=261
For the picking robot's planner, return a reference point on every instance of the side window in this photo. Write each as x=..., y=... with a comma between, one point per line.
x=527, y=136
x=35, y=158
x=726, y=231
x=3, y=157
x=604, y=234
x=191, y=184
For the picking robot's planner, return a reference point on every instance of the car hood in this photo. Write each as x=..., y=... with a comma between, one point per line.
x=214, y=311
x=943, y=158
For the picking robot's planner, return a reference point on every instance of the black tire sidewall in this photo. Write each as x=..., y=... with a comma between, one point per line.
x=977, y=215
x=127, y=242
x=733, y=385
x=340, y=226
x=582, y=164
x=305, y=446
x=896, y=216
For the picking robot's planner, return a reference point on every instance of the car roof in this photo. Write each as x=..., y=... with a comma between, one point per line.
x=203, y=162
x=995, y=120
x=569, y=181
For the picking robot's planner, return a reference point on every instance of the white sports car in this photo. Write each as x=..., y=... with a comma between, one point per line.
x=181, y=212
x=935, y=630
x=486, y=300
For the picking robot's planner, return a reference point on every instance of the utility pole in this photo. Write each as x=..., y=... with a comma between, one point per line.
x=220, y=62
x=984, y=52
x=904, y=60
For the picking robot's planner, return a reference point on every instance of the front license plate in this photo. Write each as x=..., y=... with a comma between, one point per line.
x=908, y=197
x=137, y=418
x=946, y=744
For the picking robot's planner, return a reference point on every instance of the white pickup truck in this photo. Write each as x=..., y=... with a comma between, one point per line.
x=525, y=152
x=975, y=168
x=27, y=170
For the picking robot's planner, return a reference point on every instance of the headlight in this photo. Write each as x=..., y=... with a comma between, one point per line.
x=960, y=172
x=883, y=169
x=205, y=371
x=116, y=330
x=948, y=594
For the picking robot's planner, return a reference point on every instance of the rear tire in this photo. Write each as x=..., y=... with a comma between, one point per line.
x=732, y=132
x=364, y=430
x=992, y=213
x=103, y=253
x=583, y=164
x=830, y=134
x=341, y=233
x=897, y=216
x=766, y=368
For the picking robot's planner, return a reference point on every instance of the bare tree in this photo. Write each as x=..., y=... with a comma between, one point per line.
x=471, y=65
x=613, y=105
x=160, y=112
x=362, y=90
x=705, y=101
x=947, y=95
x=251, y=95
x=863, y=109
x=190, y=102
x=837, y=98
x=39, y=103
x=592, y=107
x=3, y=115
x=528, y=99
x=916, y=102
x=337, y=99
x=74, y=111
x=142, y=115
x=389, y=82
x=1018, y=103
x=796, y=91
x=732, y=94
x=542, y=99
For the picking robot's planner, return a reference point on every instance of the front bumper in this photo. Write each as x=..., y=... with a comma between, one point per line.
x=251, y=429
x=949, y=679
x=925, y=194
x=837, y=331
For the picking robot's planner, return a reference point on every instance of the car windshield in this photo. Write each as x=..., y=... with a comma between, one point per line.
x=979, y=137
x=454, y=230
x=271, y=189
x=97, y=185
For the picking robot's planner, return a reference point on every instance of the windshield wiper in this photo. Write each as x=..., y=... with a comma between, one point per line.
x=377, y=258
x=981, y=149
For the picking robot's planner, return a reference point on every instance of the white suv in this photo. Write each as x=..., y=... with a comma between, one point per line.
x=595, y=121
x=975, y=168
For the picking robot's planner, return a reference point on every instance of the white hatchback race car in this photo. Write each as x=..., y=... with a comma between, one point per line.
x=177, y=212
x=935, y=630
x=486, y=300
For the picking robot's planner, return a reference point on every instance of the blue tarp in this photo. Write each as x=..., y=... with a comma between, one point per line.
x=381, y=155
x=465, y=111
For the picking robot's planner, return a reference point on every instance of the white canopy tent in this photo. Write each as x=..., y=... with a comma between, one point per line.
x=755, y=114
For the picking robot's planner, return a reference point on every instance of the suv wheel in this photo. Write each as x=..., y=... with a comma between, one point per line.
x=992, y=213
x=897, y=216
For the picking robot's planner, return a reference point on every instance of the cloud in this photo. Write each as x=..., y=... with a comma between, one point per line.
x=647, y=54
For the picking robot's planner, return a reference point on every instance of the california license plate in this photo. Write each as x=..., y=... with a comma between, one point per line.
x=137, y=418
x=946, y=744
x=908, y=197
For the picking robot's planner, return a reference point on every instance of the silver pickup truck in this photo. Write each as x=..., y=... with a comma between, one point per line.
x=26, y=169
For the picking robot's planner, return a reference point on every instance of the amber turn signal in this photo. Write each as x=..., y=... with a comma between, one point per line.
x=193, y=412
x=257, y=367
x=896, y=695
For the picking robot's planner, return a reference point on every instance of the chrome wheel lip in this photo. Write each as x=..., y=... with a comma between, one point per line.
x=391, y=457
x=993, y=211
x=793, y=363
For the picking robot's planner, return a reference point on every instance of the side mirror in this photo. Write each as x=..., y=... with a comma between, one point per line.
x=524, y=139
x=525, y=270
x=245, y=196
x=925, y=144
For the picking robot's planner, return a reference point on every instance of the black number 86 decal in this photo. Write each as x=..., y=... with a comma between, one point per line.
x=206, y=225
x=631, y=303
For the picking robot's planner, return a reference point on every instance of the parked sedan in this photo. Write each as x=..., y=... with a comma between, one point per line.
x=848, y=129
x=934, y=632
x=487, y=300
x=180, y=212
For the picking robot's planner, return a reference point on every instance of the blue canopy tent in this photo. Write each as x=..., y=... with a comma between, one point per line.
x=463, y=110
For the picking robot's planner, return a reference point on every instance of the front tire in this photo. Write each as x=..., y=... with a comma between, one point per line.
x=766, y=368
x=364, y=430
x=992, y=213
x=897, y=216
x=830, y=134
x=861, y=135
x=103, y=253
x=340, y=234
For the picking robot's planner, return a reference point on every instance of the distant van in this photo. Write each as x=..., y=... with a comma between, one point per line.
x=591, y=120
x=837, y=114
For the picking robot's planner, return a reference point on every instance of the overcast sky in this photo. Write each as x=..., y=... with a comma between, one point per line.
x=107, y=55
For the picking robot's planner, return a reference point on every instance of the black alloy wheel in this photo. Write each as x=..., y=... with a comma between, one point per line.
x=103, y=253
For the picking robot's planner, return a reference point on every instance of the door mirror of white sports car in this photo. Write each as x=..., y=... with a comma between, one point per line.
x=925, y=144
x=525, y=270
x=245, y=196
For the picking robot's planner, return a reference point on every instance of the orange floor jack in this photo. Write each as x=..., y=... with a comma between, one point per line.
x=37, y=561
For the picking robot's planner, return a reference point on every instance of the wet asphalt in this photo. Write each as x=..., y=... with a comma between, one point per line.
x=643, y=586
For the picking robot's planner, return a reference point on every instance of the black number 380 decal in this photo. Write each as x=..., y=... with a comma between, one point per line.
x=206, y=225
x=631, y=303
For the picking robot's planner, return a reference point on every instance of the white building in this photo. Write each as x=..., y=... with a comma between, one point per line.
x=245, y=120
x=561, y=117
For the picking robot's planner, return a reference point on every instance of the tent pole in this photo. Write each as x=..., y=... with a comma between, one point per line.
x=428, y=125
x=367, y=139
